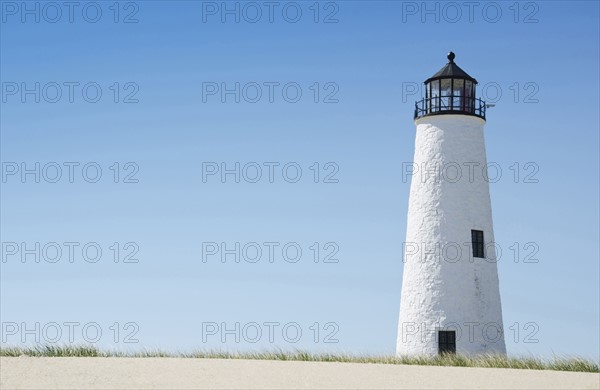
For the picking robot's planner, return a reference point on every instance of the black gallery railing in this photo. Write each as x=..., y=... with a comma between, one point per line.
x=450, y=105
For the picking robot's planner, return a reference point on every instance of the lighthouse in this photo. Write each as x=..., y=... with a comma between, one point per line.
x=450, y=300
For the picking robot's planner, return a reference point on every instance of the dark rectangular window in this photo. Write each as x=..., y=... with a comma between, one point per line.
x=477, y=243
x=446, y=341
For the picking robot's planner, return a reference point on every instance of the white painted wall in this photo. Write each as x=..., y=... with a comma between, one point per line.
x=449, y=289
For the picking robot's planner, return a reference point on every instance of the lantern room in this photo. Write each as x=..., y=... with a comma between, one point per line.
x=450, y=91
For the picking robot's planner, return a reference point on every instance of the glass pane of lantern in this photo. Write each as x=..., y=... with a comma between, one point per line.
x=446, y=87
x=468, y=88
x=469, y=103
x=435, y=92
x=458, y=101
x=458, y=87
x=435, y=88
x=445, y=103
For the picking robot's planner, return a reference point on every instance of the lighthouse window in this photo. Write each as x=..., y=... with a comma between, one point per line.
x=477, y=243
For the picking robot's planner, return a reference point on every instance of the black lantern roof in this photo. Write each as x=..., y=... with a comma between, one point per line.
x=451, y=70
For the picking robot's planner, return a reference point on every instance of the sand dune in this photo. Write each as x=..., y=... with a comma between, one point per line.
x=182, y=373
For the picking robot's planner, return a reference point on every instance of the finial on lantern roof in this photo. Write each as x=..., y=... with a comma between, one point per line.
x=451, y=57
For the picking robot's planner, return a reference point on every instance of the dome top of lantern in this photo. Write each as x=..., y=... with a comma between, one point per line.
x=451, y=70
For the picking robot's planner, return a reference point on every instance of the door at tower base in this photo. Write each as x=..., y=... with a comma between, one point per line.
x=447, y=341
x=450, y=299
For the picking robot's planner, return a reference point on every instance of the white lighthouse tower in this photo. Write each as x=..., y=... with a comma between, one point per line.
x=450, y=295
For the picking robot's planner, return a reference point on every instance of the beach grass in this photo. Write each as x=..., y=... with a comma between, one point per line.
x=488, y=361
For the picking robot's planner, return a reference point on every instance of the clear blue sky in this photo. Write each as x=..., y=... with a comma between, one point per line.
x=374, y=52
